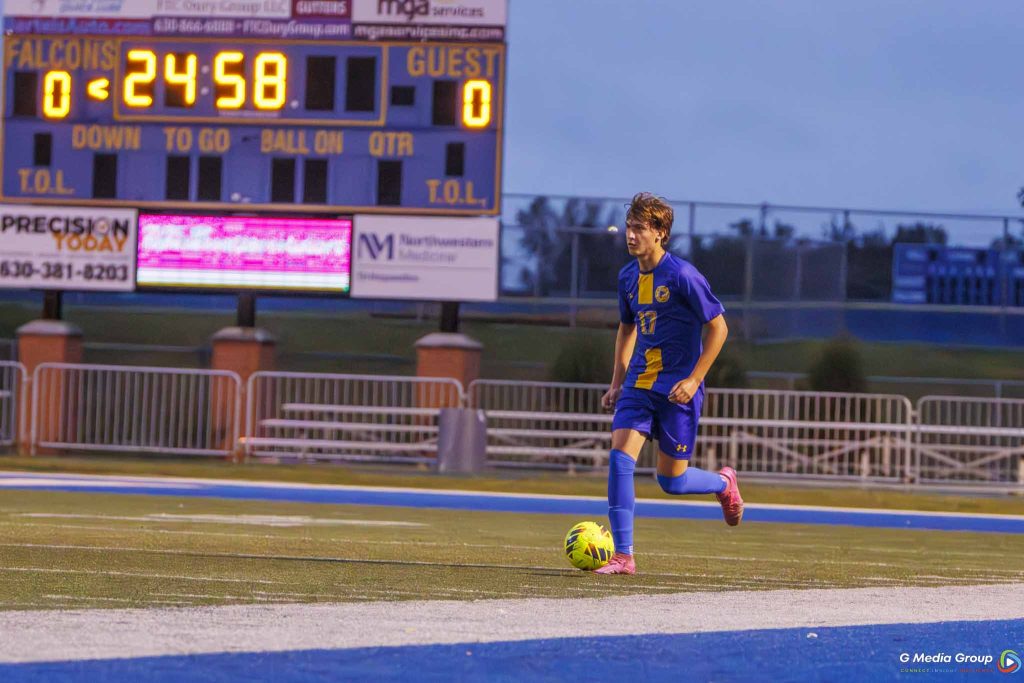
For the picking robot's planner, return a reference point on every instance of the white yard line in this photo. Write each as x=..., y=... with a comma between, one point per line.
x=285, y=521
x=144, y=575
x=16, y=479
x=118, y=633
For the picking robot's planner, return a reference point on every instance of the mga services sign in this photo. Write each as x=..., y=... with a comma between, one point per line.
x=425, y=258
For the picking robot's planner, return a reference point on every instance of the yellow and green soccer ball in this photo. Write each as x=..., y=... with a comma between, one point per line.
x=589, y=546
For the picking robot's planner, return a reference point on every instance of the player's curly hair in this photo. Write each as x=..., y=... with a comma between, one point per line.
x=652, y=211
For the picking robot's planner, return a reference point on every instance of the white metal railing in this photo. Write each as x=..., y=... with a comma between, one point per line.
x=12, y=408
x=772, y=432
x=807, y=433
x=867, y=437
x=970, y=439
x=346, y=417
x=543, y=424
x=135, y=409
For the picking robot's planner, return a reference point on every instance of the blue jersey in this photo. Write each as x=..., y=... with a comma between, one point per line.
x=669, y=306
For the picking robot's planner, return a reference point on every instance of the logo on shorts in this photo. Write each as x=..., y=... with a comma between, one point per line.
x=1009, y=661
x=680, y=448
x=661, y=294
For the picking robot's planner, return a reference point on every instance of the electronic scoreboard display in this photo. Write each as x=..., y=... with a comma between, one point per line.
x=228, y=123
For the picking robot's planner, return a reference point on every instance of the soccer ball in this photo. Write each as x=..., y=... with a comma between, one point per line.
x=589, y=545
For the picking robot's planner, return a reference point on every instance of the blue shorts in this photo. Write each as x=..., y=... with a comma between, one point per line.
x=673, y=425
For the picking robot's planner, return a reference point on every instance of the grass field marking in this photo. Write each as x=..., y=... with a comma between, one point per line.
x=553, y=548
x=93, y=598
x=45, y=481
x=817, y=543
x=287, y=521
x=680, y=556
x=289, y=558
x=207, y=596
x=150, y=530
x=300, y=595
x=143, y=575
x=128, y=481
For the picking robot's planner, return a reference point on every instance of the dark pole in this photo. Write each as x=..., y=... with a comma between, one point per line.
x=246, y=309
x=450, y=316
x=53, y=304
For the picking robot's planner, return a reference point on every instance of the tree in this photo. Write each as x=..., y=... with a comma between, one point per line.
x=838, y=368
x=540, y=240
x=545, y=238
x=920, y=233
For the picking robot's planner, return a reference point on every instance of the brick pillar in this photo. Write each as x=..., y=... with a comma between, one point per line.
x=446, y=354
x=242, y=350
x=47, y=341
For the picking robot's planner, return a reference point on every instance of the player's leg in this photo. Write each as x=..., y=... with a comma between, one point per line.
x=677, y=437
x=631, y=424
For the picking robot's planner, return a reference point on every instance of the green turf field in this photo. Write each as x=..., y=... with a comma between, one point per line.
x=76, y=550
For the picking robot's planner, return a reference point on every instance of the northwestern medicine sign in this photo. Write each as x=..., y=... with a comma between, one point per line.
x=425, y=258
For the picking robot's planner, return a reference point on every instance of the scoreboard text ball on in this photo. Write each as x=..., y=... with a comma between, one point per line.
x=235, y=122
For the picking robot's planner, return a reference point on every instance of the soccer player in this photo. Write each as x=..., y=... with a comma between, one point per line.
x=657, y=386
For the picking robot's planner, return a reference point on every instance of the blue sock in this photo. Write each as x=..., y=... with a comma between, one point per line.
x=692, y=480
x=621, y=500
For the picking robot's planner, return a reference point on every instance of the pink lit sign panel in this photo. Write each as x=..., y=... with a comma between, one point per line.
x=245, y=253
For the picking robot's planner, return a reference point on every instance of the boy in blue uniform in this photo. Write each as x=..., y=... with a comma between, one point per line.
x=657, y=388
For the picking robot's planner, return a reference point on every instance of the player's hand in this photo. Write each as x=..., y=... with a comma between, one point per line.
x=610, y=397
x=684, y=390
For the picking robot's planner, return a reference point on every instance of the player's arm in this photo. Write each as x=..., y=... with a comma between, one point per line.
x=715, y=334
x=625, y=339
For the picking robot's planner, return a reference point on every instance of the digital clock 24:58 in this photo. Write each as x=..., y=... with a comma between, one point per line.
x=339, y=84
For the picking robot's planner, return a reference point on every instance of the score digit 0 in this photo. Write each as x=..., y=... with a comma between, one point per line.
x=56, y=94
x=476, y=104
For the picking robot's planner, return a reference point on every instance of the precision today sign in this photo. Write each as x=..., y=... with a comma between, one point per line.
x=67, y=248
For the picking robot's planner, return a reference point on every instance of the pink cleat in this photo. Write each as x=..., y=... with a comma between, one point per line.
x=619, y=564
x=732, y=503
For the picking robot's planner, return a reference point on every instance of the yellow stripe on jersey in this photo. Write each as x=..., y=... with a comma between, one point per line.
x=645, y=289
x=650, y=374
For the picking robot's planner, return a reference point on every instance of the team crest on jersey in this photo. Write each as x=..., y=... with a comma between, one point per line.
x=661, y=294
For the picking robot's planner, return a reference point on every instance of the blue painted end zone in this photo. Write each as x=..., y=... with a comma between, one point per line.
x=857, y=653
x=591, y=507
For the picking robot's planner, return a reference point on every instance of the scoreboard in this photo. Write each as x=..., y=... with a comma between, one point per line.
x=257, y=124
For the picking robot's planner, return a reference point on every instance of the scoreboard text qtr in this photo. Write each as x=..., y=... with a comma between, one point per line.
x=347, y=126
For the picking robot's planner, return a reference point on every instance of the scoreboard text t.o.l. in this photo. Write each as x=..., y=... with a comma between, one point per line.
x=223, y=113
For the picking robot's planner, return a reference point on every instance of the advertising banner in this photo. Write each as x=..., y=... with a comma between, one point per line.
x=145, y=9
x=433, y=259
x=450, y=12
x=404, y=20
x=67, y=248
x=244, y=252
